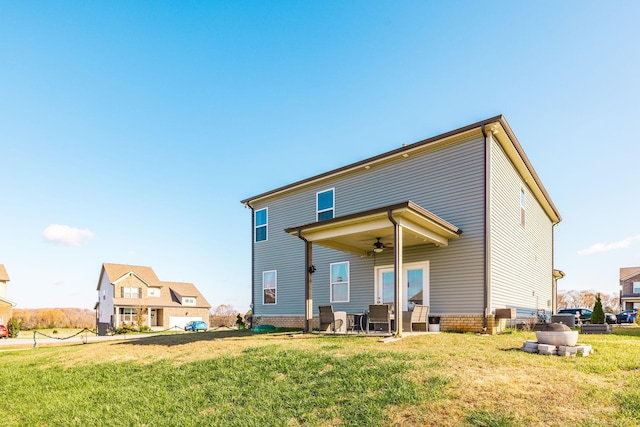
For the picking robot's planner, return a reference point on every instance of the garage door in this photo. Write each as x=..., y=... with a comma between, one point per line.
x=180, y=321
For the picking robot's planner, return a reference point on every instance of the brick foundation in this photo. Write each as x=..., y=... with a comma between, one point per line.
x=448, y=322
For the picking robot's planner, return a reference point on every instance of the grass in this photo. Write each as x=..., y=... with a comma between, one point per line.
x=236, y=378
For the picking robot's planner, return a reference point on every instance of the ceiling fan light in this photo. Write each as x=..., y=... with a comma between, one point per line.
x=378, y=246
x=377, y=250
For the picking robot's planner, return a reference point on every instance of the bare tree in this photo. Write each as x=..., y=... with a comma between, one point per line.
x=223, y=315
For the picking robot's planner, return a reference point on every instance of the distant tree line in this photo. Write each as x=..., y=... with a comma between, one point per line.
x=587, y=299
x=47, y=318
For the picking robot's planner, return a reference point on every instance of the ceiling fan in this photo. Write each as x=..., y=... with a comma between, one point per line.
x=378, y=246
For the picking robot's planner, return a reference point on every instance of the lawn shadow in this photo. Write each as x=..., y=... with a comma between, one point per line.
x=181, y=338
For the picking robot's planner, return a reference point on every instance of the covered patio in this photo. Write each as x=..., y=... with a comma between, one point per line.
x=394, y=227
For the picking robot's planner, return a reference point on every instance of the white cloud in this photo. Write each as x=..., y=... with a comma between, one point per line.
x=65, y=235
x=606, y=247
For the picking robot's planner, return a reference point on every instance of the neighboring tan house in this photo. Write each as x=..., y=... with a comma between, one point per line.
x=126, y=290
x=6, y=306
x=629, y=288
x=459, y=222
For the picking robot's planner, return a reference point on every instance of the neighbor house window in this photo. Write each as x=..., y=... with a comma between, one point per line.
x=153, y=292
x=269, y=287
x=188, y=301
x=340, y=282
x=325, y=203
x=127, y=315
x=522, y=206
x=261, y=225
x=130, y=292
x=636, y=287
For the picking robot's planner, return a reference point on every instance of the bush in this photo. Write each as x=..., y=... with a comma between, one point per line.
x=14, y=327
x=125, y=329
x=597, y=315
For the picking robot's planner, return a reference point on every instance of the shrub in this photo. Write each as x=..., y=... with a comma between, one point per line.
x=597, y=315
x=14, y=327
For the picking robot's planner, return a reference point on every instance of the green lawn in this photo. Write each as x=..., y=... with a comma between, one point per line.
x=244, y=379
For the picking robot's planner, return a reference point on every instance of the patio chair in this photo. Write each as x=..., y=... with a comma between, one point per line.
x=419, y=316
x=379, y=313
x=331, y=321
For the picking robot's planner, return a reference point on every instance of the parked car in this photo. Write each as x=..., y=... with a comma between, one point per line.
x=583, y=315
x=4, y=332
x=627, y=316
x=196, y=325
x=610, y=318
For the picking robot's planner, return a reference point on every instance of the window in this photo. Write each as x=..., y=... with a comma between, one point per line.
x=325, y=205
x=340, y=282
x=126, y=315
x=522, y=206
x=188, y=301
x=269, y=287
x=153, y=292
x=636, y=287
x=261, y=225
x=129, y=292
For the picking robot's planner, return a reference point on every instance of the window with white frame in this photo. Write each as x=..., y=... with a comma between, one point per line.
x=325, y=204
x=153, y=292
x=130, y=292
x=269, y=287
x=523, y=201
x=636, y=287
x=340, y=281
x=188, y=301
x=261, y=219
x=127, y=315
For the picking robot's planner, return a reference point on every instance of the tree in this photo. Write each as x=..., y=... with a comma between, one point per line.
x=597, y=315
x=14, y=327
x=223, y=315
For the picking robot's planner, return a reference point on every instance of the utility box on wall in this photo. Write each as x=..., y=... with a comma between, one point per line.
x=505, y=313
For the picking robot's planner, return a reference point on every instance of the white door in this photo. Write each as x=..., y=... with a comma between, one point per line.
x=416, y=285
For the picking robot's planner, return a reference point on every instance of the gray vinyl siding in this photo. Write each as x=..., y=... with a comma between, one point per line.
x=447, y=180
x=521, y=257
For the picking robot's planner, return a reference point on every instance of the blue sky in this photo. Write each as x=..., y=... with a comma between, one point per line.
x=130, y=131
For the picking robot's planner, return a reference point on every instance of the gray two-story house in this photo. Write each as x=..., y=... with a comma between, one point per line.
x=460, y=222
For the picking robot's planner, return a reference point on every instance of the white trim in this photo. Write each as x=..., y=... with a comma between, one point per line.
x=266, y=225
x=275, y=280
x=333, y=203
x=128, y=274
x=348, y=282
x=424, y=265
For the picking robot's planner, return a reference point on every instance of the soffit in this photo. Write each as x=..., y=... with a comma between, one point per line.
x=356, y=233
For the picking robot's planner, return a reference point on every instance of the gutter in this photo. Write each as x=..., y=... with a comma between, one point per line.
x=487, y=234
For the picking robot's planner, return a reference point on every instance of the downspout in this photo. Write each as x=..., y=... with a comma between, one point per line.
x=253, y=262
x=487, y=224
x=308, y=283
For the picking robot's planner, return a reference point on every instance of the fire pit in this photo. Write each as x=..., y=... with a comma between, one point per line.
x=557, y=334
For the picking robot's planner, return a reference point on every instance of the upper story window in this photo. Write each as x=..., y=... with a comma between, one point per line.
x=523, y=201
x=153, y=292
x=636, y=287
x=325, y=205
x=269, y=287
x=261, y=225
x=130, y=292
x=188, y=301
x=340, y=282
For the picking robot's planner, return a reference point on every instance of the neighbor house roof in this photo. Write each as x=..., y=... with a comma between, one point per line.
x=4, y=277
x=629, y=272
x=168, y=293
x=497, y=126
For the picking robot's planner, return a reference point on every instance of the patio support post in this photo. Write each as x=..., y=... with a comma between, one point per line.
x=308, y=295
x=397, y=273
